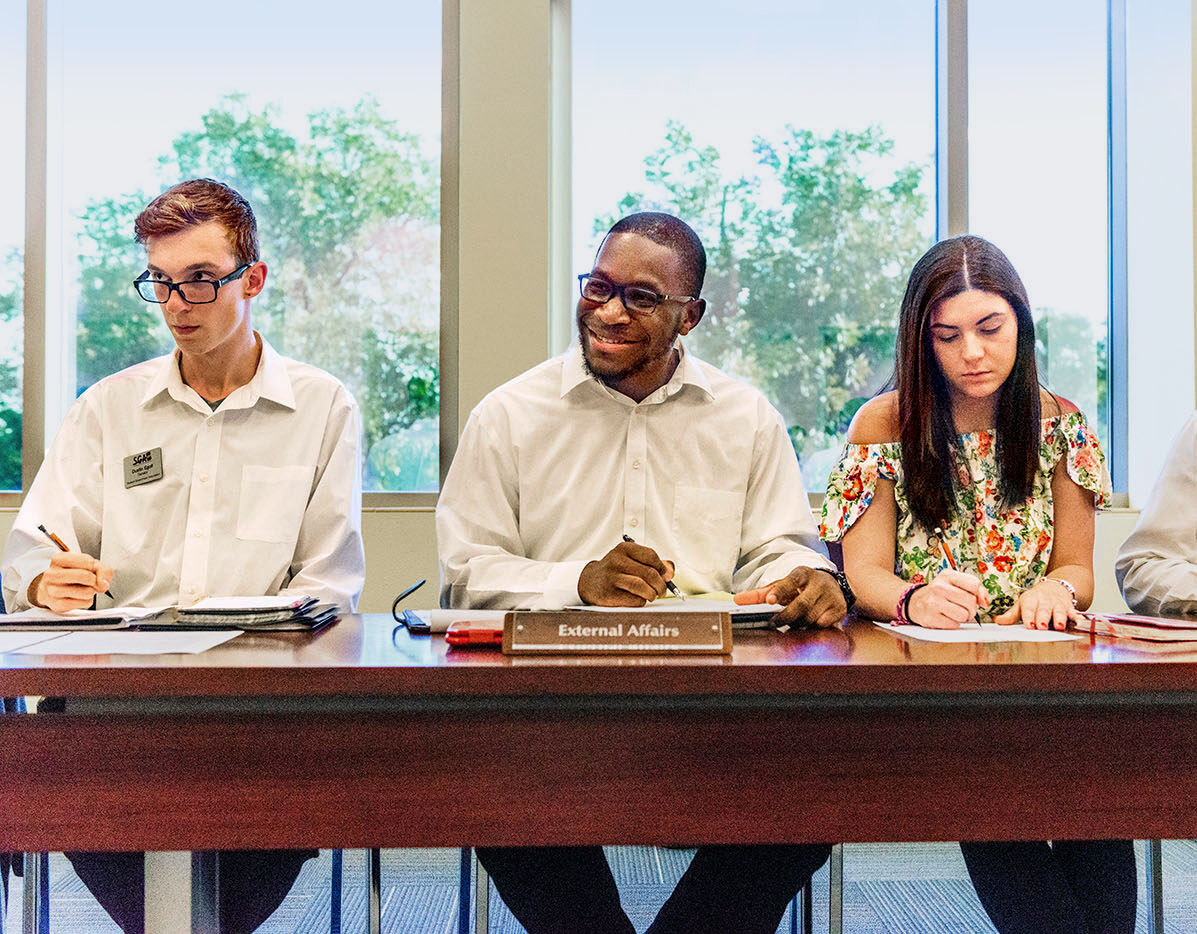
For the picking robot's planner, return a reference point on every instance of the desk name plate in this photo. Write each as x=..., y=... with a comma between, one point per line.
x=579, y=632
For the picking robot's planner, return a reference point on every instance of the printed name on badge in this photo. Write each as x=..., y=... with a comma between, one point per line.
x=145, y=467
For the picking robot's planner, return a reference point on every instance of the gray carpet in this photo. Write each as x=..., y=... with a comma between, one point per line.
x=888, y=889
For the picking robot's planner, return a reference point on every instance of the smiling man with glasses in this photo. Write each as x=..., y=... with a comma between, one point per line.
x=603, y=475
x=222, y=469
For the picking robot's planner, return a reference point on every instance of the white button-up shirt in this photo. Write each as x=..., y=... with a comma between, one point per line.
x=553, y=467
x=1157, y=566
x=261, y=496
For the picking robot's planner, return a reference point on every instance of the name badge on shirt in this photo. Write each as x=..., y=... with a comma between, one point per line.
x=145, y=467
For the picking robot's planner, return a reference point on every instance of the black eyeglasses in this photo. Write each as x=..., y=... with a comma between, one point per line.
x=195, y=292
x=636, y=299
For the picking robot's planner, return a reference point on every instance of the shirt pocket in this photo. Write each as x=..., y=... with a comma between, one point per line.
x=273, y=501
x=708, y=522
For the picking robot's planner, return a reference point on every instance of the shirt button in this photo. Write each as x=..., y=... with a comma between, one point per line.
x=634, y=522
x=203, y=478
x=635, y=465
x=197, y=534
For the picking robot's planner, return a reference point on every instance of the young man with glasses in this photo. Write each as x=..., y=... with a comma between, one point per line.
x=628, y=434
x=220, y=469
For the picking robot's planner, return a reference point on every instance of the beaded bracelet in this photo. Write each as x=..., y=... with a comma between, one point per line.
x=1067, y=586
x=902, y=610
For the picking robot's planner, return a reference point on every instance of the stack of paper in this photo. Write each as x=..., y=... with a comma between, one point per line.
x=282, y=613
x=1128, y=625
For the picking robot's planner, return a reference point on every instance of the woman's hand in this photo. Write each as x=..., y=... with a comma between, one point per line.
x=948, y=601
x=1047, y=605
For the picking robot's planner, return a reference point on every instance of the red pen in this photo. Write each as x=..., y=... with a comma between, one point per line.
x=466, y=632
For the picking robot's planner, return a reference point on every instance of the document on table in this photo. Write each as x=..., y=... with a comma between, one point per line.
x=11, y=641
x=979, y=632
x=123, y=642
x=39, y=618
x=699, y=604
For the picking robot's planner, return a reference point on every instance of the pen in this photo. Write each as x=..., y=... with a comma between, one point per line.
x=670, y=585
x=63, y=547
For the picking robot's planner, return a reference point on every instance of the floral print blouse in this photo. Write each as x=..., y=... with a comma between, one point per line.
x=1008, y=549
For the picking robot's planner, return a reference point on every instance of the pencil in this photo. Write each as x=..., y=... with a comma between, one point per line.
x=947, y=551
x=63, y=547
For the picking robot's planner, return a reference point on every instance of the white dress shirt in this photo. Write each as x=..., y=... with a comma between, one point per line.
x=553, y=467
x=261, y=496
x=1157, y=566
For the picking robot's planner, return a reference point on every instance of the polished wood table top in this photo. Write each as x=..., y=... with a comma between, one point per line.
x=369, y=655
x=359, y=736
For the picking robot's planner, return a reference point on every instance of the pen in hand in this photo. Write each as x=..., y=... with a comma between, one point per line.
x=669, y=585
x=63, y=547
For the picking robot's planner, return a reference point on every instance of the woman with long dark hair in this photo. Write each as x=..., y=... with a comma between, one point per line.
x=967, y=493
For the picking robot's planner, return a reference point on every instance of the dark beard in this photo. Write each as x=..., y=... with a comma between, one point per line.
x=615, y=377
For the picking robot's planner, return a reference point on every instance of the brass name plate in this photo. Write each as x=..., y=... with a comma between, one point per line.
x=582, y=632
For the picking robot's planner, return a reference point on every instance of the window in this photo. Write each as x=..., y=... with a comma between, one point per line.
x=12, y=238
x=329, y=125
x=800, y=141
x=1037, y=123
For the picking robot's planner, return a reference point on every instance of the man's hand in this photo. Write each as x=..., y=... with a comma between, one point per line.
x=950, y=600
x=627, y=575
x=71, y=582
x=809, y=596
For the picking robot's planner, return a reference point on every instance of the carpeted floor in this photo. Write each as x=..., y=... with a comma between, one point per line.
x=888, y=889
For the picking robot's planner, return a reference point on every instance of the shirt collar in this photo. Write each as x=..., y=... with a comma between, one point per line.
x=270, y=381
x=688, y=373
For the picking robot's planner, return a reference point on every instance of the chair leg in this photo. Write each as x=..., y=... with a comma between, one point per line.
x=481, y=898
x=801, y=911
x=463, y=891
x=374, y=891
x=36, y=898
x=1153, y=866
x=835, y=907
x=334, y=902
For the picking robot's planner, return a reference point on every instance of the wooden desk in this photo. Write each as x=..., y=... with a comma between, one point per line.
x=349, y=739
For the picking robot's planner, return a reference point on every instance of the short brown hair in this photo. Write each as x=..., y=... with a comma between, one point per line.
x=195, y=202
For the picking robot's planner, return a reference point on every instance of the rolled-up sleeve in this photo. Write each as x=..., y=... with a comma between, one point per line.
x=329, y=561
x=483, y=559
x=778, y=532
x=1157, y=566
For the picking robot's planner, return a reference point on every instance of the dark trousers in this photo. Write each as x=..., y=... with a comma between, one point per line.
x=252, y=884
x=570, y=890
x=1066, y=887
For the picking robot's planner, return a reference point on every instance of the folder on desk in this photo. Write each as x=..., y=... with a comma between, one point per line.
x=39, y=619
x=282, y=613
x=287, y=613
x=1132, y=626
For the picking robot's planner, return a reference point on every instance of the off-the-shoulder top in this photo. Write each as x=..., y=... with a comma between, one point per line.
x=1008, y=549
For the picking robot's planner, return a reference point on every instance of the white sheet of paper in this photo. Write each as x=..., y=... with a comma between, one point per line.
x=689, y=605
x=11, y=641
x=39, y=614
x=122, y=642
x=276, y=602
x=978, y=632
